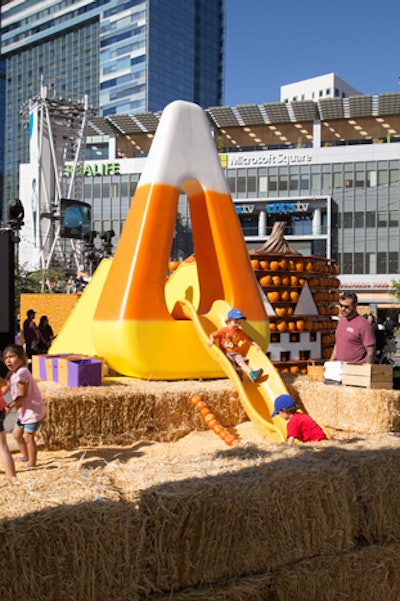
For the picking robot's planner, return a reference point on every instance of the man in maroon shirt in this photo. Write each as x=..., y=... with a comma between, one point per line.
x=355, y=336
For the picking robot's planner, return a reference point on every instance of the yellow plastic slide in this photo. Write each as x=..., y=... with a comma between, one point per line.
x=257, y=398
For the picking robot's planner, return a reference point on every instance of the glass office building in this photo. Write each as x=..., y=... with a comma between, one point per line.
x=131, y=56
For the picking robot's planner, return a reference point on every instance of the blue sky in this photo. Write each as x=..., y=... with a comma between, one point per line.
x=270, y=43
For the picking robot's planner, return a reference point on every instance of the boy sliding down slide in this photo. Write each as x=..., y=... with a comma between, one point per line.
x=231, y=339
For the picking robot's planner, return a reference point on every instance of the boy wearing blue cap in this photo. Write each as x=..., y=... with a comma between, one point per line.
x=231, y=339
x=300, y=426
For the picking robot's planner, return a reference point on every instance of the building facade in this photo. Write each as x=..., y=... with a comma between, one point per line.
x=323, y=86
x=330, y=169
x=129, y=56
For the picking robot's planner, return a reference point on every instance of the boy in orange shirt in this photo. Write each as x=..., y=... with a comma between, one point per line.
x=231, y=338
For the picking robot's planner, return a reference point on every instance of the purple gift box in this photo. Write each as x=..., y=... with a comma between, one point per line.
x=49, y=366
x=84, y=372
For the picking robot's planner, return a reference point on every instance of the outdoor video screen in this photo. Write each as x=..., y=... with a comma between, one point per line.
x=75, y=218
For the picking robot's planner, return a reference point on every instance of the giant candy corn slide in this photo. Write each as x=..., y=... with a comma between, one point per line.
x=148, y=327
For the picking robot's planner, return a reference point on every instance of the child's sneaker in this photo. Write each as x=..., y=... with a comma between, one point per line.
x=255, y=374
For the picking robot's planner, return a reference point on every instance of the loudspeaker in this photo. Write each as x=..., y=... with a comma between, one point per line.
x=7, y=296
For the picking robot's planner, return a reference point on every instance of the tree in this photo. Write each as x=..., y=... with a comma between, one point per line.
x=41, y=281
x=395, y=289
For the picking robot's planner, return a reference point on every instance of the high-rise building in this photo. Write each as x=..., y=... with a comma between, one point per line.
x=128, y=56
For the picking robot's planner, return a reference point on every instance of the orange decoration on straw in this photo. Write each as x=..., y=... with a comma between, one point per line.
x=212, y=422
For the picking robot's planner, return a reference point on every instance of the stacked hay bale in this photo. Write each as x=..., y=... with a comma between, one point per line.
x=347, y=411
x=252, y=523
x=124, y=410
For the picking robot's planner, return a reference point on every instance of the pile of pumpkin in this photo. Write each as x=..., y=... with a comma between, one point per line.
x=282, y=279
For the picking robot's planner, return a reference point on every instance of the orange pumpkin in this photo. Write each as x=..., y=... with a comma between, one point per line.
x=196, y=398
x=273, y=296
x=264, y=264
x=282, y=264
x=300, y=325
x=274, y=265
x=294, y=296
x=281, y=326
x=255, y=263
x=280, y=311
x=229, y=438
x=266, y=280
x=276, y=280
x=285, y=295
x=217, y=428
x=289, y=311
x=299, y=265
x=294, y=280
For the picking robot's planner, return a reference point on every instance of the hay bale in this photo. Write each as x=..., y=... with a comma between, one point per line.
x=369, y=574
x=365, y=574
x=124, y=410
x=254, y=522
x=347, y=410
x=91, y=550
x=246, y=588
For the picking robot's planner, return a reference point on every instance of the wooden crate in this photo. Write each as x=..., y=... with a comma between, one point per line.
x=367, y=375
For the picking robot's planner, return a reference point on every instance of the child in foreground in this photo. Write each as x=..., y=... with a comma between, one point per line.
x=300, y=426
x=5, y=455
x=231, y=340
x=26, y=398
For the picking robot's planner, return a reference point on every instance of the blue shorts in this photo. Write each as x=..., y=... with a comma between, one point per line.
x=29, y=428
x=2, y=418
